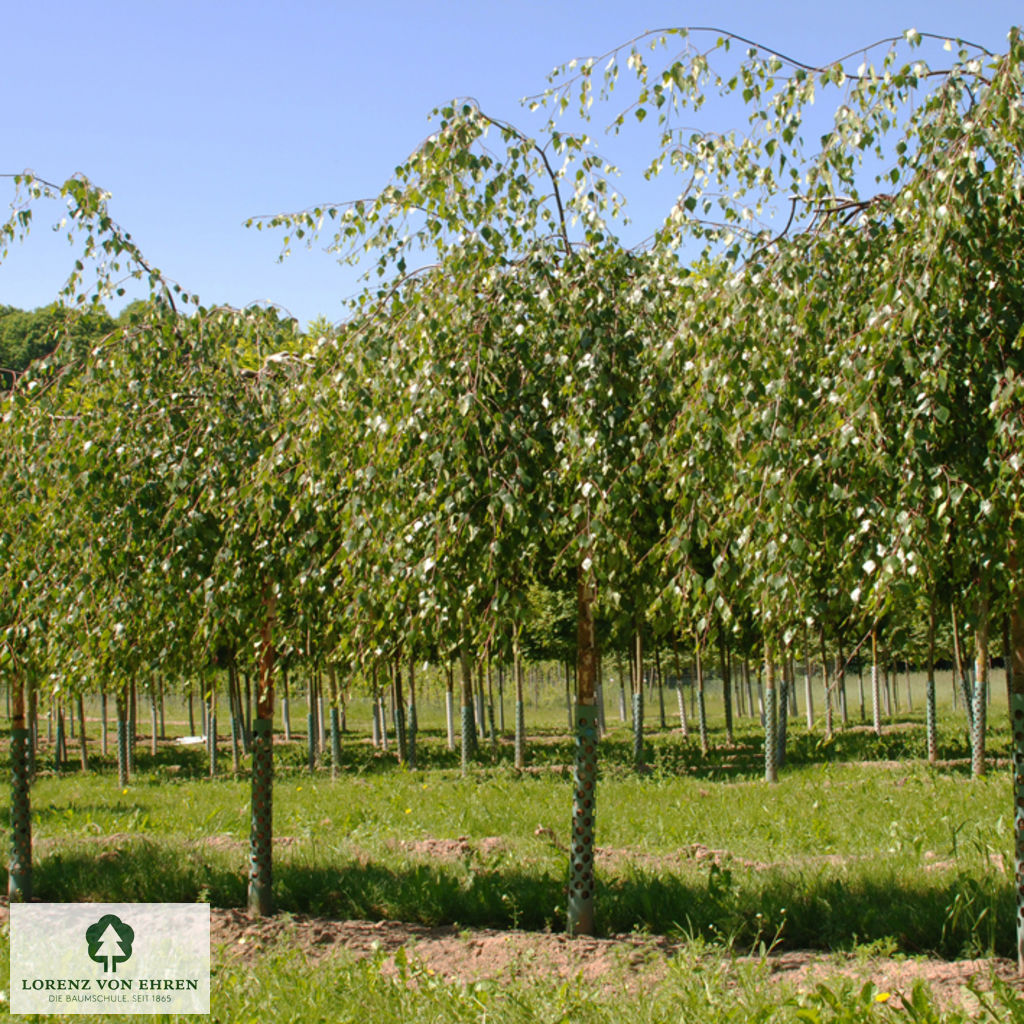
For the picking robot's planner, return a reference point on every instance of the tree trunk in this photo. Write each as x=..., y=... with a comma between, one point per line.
x=19, y=868
x=783, y=711
x=702, y=711
x=468, y=750
x=311, y=728
x=449, y=705
x=771, y=763
x=1017, y=726
x=211, y=736
x=332, y=679
x=830, y=729
x=638, y=699
x=286, y=711
x=662, y=723
x=411, y=721
x=398, y=702
x=103, y=720
x=808, y=691
x=931, y=726
x=520, y=737
x=960, y=671
x=980, y=684
x=684, y=725
x=623, y=713
x=82, y=741
x=501, y=699
x=723, y=653
x=237, y=717
x=584, y=806
x=260, y=894
x=123, y=745
x=876, y=690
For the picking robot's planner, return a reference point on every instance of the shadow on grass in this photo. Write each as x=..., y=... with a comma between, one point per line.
x=951, y=914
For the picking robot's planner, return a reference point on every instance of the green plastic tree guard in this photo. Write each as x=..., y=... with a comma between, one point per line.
x=584, y=806
x=19, y=878
x=260, y=835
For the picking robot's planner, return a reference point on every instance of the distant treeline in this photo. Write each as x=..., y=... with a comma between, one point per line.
x=27, y=335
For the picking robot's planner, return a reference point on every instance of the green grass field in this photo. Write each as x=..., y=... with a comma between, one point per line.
x=861, y=847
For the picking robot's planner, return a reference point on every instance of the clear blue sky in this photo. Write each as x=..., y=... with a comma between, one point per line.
x=197, y=115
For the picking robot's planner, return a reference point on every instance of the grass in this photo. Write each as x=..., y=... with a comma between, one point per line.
x=837, y=854
x=847, y=852
x=282, y=986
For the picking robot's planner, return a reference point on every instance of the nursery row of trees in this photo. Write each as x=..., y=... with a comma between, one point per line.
x=798, y=432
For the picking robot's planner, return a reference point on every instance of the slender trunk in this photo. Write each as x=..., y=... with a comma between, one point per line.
x=398, y=702
x=830, y=729
x=783, y=710
x=638, y=699
x=726, y=667
x=808, y=691
x=623, y=713
x=311, y=729
x=684, y=725
x=876, y=691
x=468, y=750
x=601, y=727
x=1016, y=631
x=980, y=683
x=286, y=710
x=58, y=747
x=960, y=671
x=19, y=866
x=103, y=720
x=211, y=738
x=480, y=718
x=570, y=716
x=520, y=737
x=490, y=702
x=501, y=699
x=931, y=728
x=860, y=688
x=771, y=763
x=160, y=706
x=332, y=680
x=83, y=748
x=380, y=711
x=702, y=712
x=234, y=702
x=154, y=720
x=247, y=733
x=191, y=718
x=841, y=681
x=260, y=896
x=123, y=768
x=321, y=718
x=584, y=806
x=411, y=721
x=1008, y=660
x=449, y=705
x=132, y=726
x=748, y=686
x=374, y=717
x=663, y=724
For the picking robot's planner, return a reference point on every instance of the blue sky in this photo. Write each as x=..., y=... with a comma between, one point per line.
x=198, y=115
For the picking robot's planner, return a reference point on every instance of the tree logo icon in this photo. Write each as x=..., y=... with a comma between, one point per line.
x=110, y=941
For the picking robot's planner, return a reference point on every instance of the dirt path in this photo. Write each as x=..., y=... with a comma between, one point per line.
x=618, y=961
